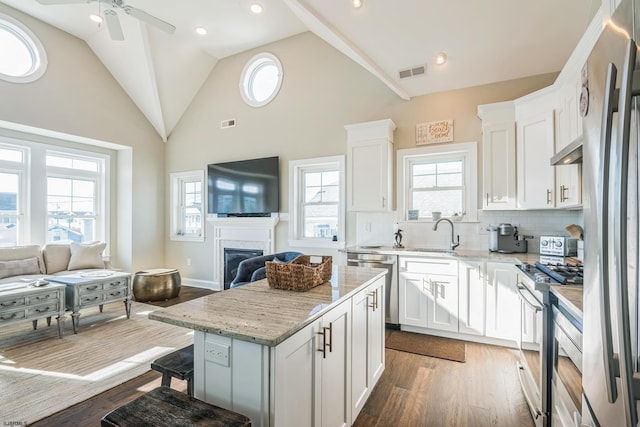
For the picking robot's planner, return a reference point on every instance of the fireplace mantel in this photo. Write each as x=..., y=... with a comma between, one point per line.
x=241, y=233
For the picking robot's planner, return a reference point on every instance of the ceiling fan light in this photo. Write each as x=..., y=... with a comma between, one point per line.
x=96, y=18
x=357, y=3
x=256, y=8
x=201, y=31
x=441, y=58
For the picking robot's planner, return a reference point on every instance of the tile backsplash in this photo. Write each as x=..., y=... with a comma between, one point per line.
x=377, y=228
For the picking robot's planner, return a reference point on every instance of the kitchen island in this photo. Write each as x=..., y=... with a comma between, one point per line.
x=288, y=358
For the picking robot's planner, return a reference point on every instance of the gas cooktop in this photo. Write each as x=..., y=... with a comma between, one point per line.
x=554, y=272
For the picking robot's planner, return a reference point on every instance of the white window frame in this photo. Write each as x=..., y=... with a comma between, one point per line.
x=176, y=219
x=22, y=170
x=38, y=54
x=296, y=197
x=465, y=150
x=100, y=179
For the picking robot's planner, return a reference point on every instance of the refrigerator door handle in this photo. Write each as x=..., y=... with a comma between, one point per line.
x=620, y=235
x=610, y=107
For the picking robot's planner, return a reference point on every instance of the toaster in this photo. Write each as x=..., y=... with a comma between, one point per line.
x=558, y=246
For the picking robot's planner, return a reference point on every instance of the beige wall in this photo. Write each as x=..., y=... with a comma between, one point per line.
x=77, y=96
x=321, y=92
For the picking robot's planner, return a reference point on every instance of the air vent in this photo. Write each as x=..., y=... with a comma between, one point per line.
x=231, y=123
x=413, y=71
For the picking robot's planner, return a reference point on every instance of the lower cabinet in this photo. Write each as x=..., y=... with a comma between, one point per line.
x=320, y=376
x=367, y=338
x=503, y=303
x=472, y=283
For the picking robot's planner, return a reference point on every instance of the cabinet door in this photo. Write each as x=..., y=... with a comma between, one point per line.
x=503, y=304
x=471, y=284
x=499, y=165
x=335, y=406
x=442, y=302
x=535, y=175
x=296, y=379
x=367, y=344
x=369, y=175
x=413, y=299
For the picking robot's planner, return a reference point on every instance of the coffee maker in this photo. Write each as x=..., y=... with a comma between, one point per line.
x=505, y=239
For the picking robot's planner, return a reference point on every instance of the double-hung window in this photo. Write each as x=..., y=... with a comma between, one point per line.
x=75, y=199
x=186, y=206
x=13, y=194
x=439, y=179
x=317, y=200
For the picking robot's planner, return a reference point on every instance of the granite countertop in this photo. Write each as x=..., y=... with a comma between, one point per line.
x=570, y=297
x=257, y=313
x=515, y=258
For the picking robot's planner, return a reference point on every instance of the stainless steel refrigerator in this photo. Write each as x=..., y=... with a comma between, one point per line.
x=610, y=195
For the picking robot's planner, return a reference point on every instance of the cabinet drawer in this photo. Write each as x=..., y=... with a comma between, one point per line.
x=90, y=288
x=11, y=316
x=12, y=302
x=115, y=294
x=94, y=298
x=43, y=310
x=429, y=265
x=42, y=298
x=115, y=284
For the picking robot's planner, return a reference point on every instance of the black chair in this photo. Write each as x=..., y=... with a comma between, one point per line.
x=252, y=269
x=178, y=364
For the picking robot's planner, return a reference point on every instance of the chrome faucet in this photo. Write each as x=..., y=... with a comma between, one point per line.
x=453, y=243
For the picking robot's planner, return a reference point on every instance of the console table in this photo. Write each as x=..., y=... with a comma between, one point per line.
x=94, y=288
x=19, y=302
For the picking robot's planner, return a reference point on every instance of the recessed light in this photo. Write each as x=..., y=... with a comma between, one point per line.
x=256, y=8
x=441, y=58
x=357, y=3
x=96, y=18
x=201, y=31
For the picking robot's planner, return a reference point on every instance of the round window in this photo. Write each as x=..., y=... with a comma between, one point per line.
x=22, y=57
x=261, y=79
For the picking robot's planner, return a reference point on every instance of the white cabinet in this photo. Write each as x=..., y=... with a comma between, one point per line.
x=471, y=282
x=502, y=302
x=370, y=166
x=312, y=373
x=498, y=156
x=535, y=175
x=429, y=292
x=367, y=340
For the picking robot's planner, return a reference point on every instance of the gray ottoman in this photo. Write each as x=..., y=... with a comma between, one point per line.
x=156, y=285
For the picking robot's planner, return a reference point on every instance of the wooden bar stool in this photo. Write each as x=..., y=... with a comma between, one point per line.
x=178, y=364
x=167, y=407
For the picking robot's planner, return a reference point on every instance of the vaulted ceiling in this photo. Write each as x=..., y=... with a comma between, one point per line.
x=485, y=42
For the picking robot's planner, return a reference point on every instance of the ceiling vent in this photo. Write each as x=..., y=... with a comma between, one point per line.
x=228, y=123
x=418, y=70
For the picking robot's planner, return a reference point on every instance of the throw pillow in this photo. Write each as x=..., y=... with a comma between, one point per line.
x=86, y=255
x=19, y=267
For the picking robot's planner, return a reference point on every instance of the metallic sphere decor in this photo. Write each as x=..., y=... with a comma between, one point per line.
x=156, y=285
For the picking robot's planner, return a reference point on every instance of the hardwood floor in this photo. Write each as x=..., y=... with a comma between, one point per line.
x=413, y=391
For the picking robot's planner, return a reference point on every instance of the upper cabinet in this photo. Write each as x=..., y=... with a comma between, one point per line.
x=499, y=156
x=370, y=166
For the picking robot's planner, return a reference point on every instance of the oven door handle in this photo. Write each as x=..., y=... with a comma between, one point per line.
x=521, y=288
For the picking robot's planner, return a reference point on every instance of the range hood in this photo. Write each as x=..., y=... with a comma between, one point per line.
x=569, y=155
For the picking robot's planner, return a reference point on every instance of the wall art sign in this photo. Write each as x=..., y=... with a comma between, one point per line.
x=434, y=132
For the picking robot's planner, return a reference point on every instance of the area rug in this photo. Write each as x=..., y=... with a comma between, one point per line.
x=427, y=345
x=41, y=374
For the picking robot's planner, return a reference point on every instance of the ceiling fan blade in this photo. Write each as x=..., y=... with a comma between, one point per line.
x=150, y=19
x=113, y=25
x=53, y=2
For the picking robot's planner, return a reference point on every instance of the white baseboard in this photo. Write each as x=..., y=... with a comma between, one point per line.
x=206, y=284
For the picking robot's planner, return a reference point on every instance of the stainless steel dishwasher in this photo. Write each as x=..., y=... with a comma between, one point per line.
x=390, y=263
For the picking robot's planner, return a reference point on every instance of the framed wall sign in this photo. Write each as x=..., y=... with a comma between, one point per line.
x=434, y=132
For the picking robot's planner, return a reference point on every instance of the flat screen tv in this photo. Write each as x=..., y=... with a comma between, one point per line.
x=244, y=188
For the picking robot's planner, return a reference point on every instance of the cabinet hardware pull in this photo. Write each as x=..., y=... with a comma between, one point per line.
x=324, y=342
x=548, y=196
x=330, y=337
x=42, y=310
x=92, y=299
x=376, y=299
x=10, y=317
x=4, y=304
x=115, y=294
x=91, y=288
x=487, y=199
x=383, y=202
x=373, y=300
x=563, y=191
x=45, y=297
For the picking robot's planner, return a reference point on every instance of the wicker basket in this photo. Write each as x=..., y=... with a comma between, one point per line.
x=300, y=274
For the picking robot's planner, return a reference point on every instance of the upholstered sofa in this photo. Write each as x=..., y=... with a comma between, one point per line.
x=33, y=261
x=252, y=269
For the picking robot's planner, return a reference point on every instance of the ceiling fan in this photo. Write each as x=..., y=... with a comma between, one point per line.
x=111, y=17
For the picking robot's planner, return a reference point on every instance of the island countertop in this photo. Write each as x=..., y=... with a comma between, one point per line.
x=257, y=313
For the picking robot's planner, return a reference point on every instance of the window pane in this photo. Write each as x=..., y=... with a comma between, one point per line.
x=191, y=212
x=11, y=155
x=70, y=229
x=450, y=180
x=449, y=167
x=8, y=231
x=313, y=179
x=313, y=195
x=16, y=56
x=424, y=181
x=320, y=221
x=72, y=163
x=446, y=201
x=424, y=168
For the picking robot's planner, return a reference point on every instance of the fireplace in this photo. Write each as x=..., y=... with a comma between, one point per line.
x=232, y=258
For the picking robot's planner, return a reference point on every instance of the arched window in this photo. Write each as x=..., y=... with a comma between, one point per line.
x=22, y=57
x=261, y=79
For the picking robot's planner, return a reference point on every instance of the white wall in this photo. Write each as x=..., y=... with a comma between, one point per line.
x=78, y=99
x=322, y=91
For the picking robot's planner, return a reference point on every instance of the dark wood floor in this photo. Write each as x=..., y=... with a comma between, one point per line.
x=413, y=391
